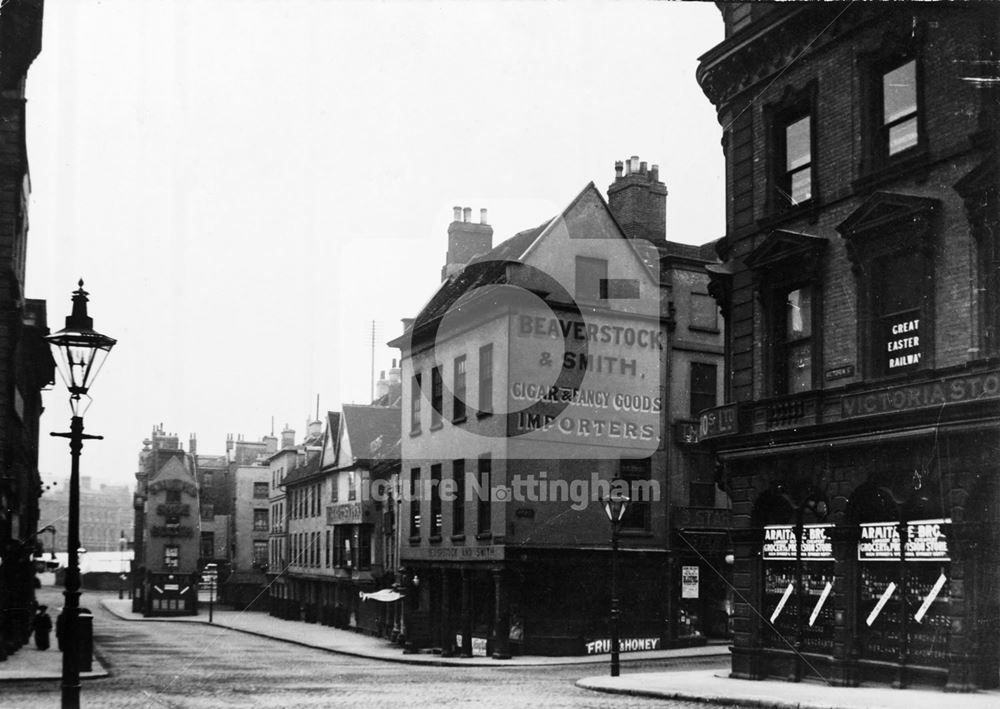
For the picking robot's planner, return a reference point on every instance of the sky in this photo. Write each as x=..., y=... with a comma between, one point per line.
x=246, y=186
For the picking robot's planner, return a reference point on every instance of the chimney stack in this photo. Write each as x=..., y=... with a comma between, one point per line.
x=382, y=386
x=466, y=240
x=639, y=200
x=193, y=445
x=287, y=438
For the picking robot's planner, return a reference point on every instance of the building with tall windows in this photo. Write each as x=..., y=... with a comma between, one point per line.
x=537, y=375
x=859, y=441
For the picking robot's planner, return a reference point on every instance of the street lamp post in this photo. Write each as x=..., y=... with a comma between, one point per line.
x=82, y=351
x=122, y=545
x=615, y=507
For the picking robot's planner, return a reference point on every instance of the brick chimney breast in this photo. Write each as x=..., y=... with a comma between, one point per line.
x=638, y=200
x=466, y=240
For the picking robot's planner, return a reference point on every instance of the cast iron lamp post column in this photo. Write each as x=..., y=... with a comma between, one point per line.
x=82, y=352
x=614, y=507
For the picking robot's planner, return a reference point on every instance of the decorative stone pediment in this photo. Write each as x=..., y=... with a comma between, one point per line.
x=888, y=221
x=787, y=252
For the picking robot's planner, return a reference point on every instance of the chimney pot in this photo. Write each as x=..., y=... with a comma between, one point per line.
x=634, y=163
x=655, y=173
x=618, y=169
x=482, y=216
x=467, y=214
x=458, y=214
x=642, y=167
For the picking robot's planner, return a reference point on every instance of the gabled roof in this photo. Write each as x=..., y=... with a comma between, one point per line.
x=364, y=424
x=302, y=472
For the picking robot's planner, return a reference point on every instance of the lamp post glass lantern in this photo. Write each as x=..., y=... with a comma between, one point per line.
x=81, y=352
x=614, y=508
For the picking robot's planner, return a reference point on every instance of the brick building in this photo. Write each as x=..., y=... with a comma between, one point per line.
x=26, y=366
x=860, y=287
x=105, y=515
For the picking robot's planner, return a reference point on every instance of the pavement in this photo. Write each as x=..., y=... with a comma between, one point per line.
x=715, y=687
x=347, y=642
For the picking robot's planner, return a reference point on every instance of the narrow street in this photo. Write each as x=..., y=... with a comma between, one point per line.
x=157, y=664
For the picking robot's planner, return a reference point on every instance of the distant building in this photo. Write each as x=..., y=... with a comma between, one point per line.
x=167, y=529
x=26, y=365
x=860, y=438
x=106, y=515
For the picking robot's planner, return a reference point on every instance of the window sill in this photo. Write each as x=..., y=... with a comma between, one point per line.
x=635, y=533
x=458, y=539
x=482, y=536
x=916, y=158
x=437, y=425
x=775, y=217
x=414, y=432
x=434, y=539
x=709, y=330
x=483, y=414
x=459, y=419
x=414, y=540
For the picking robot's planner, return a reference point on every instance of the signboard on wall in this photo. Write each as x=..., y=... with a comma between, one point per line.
x=926, y=541
x=902, y=342
x=780, y=543
x=689, y=582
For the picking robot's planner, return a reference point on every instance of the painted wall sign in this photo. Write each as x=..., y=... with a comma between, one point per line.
x=601, y=646
x=902, y=342
x=168, y=531
x=686, y=432
x=955, y=390
x=174, y=484
x=780, y=543
x=700, y=518
x=689, y=582
x=346, y=513
x=926, y=541
x=839, y=372
x=719, y=421
x=492, y=552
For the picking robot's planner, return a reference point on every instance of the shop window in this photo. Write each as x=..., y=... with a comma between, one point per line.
x=364, y=546
x=904, y=577
x=458, y=390
x=486, y=380
x=458, y=503
x=171, y=556
x=437, y=397
x=703, y=387
x=591, y=278
x=260, y=491
x=484, y=506
x=637, y=514
x=415, y=499
x=341, y=545
x=435, y=492
x=260, y=520
x=415, y=396
x=798, y=571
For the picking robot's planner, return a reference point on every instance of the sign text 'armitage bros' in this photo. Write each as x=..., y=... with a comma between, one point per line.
x=603, y=645
x=925, y=541
x=591, y=381
x=779, y=543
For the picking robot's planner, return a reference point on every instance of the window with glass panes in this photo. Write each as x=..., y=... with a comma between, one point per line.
x=415, y=502
x=796, y=179
x=437, y=396
x=899, y=108
x=484, y=523
x=415, y=396
x=486, y=379
x=435, y=500
x=703, y=387
x=458, y=390
x=458, y=503
x=793, y=360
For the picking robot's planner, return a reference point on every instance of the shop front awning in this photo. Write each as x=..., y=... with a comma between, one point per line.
x=386, y=595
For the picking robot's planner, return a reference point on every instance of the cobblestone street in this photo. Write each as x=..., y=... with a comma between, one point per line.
x=202, y=667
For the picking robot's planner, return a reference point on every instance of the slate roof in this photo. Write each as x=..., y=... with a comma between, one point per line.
x=364, y=424
x=486, y=269
x=304, y=471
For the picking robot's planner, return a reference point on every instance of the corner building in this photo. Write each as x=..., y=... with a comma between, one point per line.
x=861, y=441
x=533, y=378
